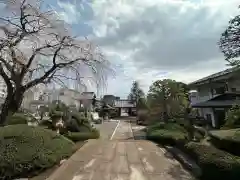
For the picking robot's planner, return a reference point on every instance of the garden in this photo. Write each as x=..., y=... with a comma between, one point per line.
x=216, y=152
x=170, y=122
x=27, y=151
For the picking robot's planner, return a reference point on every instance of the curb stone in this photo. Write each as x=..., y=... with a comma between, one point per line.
x=185, y=160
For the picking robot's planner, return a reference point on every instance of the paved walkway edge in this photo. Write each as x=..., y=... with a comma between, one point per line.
x=185, y=160
x=69, y=161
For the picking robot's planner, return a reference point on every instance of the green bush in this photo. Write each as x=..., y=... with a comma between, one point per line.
x=227, y=140
x=78, y=123
x=17, y=118
x=168, y=126
x=82, y=136
x=170, y=133
x=47, y=123
x=56, y=114
x=200, y=133
x=232, y=119
x=214, y=163
x=25, y=150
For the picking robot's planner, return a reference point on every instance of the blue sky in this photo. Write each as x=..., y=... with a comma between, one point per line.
x=147, y=40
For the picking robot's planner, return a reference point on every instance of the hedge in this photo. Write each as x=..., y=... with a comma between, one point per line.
x=82, y=136
x=25, y=150
x=170, y=134
x=214, y=163
x=17, y=118
x=227, y=140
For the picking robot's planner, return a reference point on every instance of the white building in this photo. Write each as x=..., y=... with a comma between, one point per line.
x=30, y=95
x=87, y=100
x=33, y=94
x=3, y=88
x=215, y=94
x=70, y=97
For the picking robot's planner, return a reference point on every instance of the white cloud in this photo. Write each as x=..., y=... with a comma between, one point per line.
x=69, y=13
x=154, y=39
x=151, y=36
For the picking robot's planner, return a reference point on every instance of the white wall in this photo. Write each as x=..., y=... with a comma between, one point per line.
x=205, y=111
x=31, y=95
x=234, y=84
x=3, y=88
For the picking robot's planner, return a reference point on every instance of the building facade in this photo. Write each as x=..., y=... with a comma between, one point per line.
x=215, y=94
x=3, y=88
x=87, y=100
x=109, y=99
x=33, y=94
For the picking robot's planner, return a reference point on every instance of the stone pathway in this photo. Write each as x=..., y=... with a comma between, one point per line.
x=121, y=159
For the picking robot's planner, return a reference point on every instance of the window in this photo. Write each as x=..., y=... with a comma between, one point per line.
x=219, y=90
x=233, y=89
x=209, y=117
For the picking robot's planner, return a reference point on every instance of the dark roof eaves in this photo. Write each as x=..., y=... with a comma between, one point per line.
x=206, y=79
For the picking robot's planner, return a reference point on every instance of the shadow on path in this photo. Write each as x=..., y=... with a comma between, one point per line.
x=177, y=171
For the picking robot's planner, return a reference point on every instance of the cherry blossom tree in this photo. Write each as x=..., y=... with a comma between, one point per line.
x=37, y=47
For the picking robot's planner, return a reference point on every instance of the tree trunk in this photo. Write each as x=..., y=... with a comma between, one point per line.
x=11, y=105
x=165, y=110
x=190, y=126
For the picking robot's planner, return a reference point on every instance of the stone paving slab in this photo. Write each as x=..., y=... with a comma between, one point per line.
x=121, y=159
x=124, y=131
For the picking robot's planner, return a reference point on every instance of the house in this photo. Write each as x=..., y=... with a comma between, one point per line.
x=109, y=99
x=33, y=94
x=124, y=106
x=215, y=94
x=68, y=96
x=86, y=100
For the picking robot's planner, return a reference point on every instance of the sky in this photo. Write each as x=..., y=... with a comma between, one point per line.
x=148, y=40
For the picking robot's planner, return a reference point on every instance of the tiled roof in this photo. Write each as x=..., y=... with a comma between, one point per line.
x=222, y=103
x=87, y=95
x=123, y=103
x=215, y=75
x=223, y=100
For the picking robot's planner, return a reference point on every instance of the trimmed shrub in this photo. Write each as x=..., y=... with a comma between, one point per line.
x=82, y=136
x=78, y=123
x=47, y=123
x=170, y=133
x=142, y=116
x=232, y=119
x=17, y=118
x=214, y=163
x=168, y=126
x=227, y=140
x=25, y=150
x=199, y=133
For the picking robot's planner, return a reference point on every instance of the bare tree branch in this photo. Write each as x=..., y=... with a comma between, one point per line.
x=37, y=48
